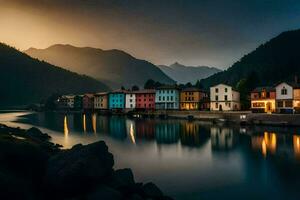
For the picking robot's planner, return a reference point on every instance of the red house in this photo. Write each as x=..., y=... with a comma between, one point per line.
x=145, y=99
x=88, y=102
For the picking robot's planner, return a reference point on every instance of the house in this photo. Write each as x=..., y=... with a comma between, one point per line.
x=167, y=97
x=78, y=102
x=193, y=99
x=145, y=99
x=284, y=98
x=116, y=100
x=130, y=100
x=101, y=101
x=296, y=98
x=263, y=99
x=88, y=102
x=66, y=102
x=224, y=98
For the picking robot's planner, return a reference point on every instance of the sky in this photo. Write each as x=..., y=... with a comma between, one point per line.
x=192, y=32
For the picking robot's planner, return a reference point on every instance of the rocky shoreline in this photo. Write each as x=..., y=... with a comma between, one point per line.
x=31, y=167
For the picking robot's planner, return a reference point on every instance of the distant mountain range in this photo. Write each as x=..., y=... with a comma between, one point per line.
x=24, y=80
x=184, y=74
x=113, y=67
x=275, y=61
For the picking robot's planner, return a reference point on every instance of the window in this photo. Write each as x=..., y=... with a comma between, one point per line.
x=171, y=98
x=283, y=91
x=216, y=105
x=289, y=104
x=280, y=104
x=217, y=90
x=159, y=98
x=217, y=98
x=226, y=89
x=225, y=97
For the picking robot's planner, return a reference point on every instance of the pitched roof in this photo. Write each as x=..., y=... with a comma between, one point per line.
x=267, y=89
x=192, y=89
x=146, y=91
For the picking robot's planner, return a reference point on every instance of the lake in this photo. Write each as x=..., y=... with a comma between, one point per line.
x=186, y=159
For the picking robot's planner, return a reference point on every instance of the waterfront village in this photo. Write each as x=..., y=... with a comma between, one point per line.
x=282, y=98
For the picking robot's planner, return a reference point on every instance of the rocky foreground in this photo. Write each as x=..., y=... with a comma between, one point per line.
x=31, y=167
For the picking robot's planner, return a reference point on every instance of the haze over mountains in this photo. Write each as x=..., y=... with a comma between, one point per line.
x=184, y=74
x=275, y=61
x=113, y=67
x=24, y=80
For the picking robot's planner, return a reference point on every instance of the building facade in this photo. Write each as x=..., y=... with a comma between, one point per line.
x=193, y=99
x=167, y=98
x=88, y=102
x=116, y=100
x=101, y=101
x=224, y=98
x=130, y=100
x=296, y=98
x=145, y=99
x=66, y=102
x=263, y=100
x=284, y=98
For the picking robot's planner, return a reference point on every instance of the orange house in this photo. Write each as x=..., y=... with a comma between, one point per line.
x=263, y=99
x=193, y=99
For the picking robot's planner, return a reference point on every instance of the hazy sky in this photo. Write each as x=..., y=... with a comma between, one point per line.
x=192, y=32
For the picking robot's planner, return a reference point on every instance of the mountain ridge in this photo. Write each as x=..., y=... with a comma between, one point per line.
x=113, y=67
x=184, y=74
x=25, y=80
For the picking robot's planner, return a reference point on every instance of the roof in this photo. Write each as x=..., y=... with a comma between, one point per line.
x=292, y=84
x=267, y=89
x=89, y=95
x=101, y=93
x=146, y=91
x=118, y=91
x=192, y=89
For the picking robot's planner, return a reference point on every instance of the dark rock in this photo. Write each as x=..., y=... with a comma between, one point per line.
x=104, y=192
x=135, y=197
x=123, y=177
x=151, y=190
x=35, y=133
x=78, y=169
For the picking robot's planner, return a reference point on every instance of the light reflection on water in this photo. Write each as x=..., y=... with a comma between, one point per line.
x=188, y=160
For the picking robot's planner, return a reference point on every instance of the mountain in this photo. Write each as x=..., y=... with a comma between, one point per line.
x=185, y=74
x=275, y=61
x=114, y=67
x=24, y=80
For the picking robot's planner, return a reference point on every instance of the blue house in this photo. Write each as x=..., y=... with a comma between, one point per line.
x=116, y=100
x=167, y=98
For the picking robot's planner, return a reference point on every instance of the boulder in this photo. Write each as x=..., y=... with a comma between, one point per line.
x=79, y=169
x=104, y=192
x=152, y=191
x=123, y=177
x=35, y=133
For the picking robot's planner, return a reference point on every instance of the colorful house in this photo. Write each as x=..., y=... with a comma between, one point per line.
x=66, y=102
x=145, y=99
x=101, y=101
x=116, y=100
x=263, y=99
x=193, y=99
x=167, y=97
x=88, y=102
x=130, y=100
x=296, y=98
x=284, y=98
x=224, y=98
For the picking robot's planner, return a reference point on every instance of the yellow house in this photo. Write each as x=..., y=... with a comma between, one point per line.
x=263, y=99
x=193, y=99
x=296, y=98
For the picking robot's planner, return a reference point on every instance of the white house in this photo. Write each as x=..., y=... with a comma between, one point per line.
x=130, y=100
x=284, y=98
x=224, y=98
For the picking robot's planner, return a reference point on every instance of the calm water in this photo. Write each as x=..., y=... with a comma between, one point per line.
x=187, y=160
